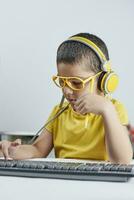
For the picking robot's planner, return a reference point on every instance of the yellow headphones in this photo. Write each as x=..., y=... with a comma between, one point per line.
x=108, y=79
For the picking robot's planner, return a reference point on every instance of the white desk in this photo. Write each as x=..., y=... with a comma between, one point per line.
x=57, y=189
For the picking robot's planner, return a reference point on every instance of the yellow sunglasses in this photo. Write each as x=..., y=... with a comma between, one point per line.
x=75, y=83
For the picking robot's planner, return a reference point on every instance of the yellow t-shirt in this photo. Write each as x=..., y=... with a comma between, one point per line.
x=73, y=137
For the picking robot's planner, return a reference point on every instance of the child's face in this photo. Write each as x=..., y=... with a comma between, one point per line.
x=68, y=70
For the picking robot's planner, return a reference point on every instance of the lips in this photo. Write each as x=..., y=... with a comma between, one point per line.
x=71, y=100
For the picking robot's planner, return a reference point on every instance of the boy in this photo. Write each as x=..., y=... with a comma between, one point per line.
x=93, y=126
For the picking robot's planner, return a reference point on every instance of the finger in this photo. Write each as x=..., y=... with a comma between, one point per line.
x=12, y=151
x=9, y=158
x=16, y=142
x=80, y=106
x=80, y=99
x=5, y=151
x=83, y=111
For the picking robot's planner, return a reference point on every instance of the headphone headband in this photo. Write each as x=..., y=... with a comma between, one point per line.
x=105, y=64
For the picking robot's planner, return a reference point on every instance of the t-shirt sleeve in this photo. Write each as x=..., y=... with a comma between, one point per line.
x=122, y=113
x=50, y=126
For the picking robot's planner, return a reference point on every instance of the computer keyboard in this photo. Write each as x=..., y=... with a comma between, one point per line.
x=99, y=171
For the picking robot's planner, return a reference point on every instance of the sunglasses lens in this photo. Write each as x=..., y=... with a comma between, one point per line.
x=75, y=84
x=59, y=82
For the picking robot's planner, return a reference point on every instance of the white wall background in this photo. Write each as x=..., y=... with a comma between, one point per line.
x=30, y=32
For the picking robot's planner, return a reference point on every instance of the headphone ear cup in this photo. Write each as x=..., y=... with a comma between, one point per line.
x=108, y=82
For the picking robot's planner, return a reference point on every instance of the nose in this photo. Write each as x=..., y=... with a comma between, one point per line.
x=67, y=90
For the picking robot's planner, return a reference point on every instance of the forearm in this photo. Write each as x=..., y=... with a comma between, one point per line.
x=117, y=141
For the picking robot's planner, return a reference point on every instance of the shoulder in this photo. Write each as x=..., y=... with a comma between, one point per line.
x=121, y=111
x=57, y=107
x=118, y=104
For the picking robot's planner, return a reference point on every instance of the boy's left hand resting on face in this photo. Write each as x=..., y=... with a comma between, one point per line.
x=92, y=103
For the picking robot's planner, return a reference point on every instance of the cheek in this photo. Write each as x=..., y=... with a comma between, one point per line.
x=87, y=89
x=82, y=92
x=92, y=87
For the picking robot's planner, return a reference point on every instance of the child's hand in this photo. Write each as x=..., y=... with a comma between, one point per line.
x=8, y=147
x=91, y=103
x=12, y=150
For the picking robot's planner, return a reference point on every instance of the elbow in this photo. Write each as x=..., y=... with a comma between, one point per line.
x=37, y=152
x=125, y=161
x=125, y=157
